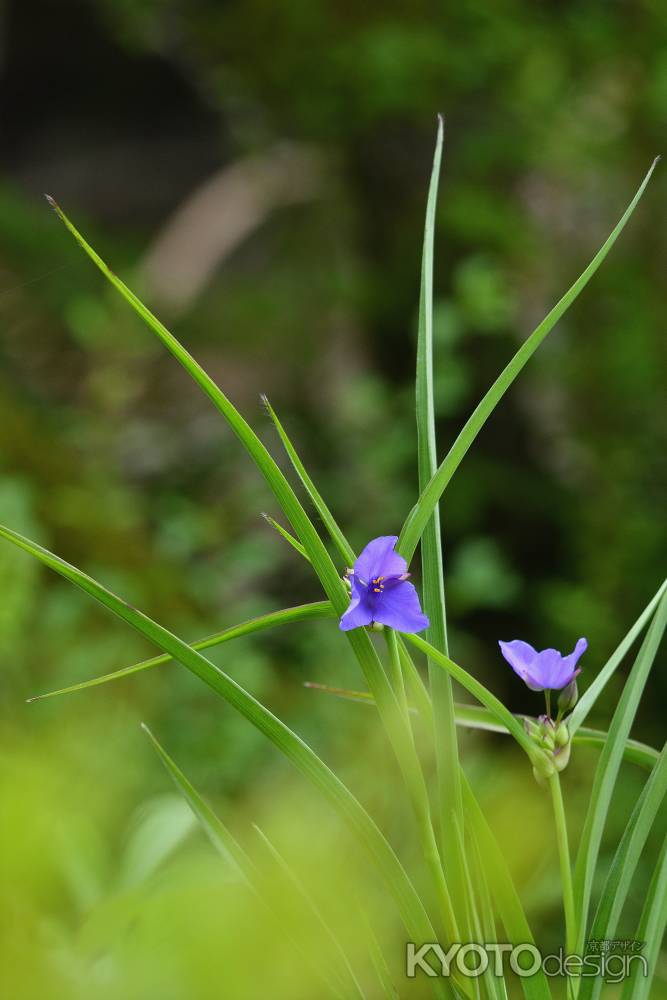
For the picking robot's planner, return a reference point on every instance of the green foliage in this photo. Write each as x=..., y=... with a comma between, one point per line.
x=459, y=900
x=553, y=526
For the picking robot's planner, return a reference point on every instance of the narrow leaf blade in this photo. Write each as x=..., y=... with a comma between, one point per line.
x=430, y=495
x=221, y=838
x=608, y=766
x=329, y=521
x=592, y=693
x=477, y=689
x=302, y=612
x=624, y=866
x=504, y=891
x=295, y=749
x=433, y=587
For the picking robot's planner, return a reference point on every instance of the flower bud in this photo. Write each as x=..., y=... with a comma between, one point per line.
x=561, y=757
x=377, y=627
x=532, y=728
x=539, y=778
x=562, y=736
x=543, y=765
x=569, y=696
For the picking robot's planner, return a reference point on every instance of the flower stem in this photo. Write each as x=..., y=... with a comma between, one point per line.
x=396, y=671
x=565, y=866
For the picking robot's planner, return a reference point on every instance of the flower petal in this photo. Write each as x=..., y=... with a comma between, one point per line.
x=379, y=559
x=544, y=670
x=521, y=657
x=579, y=650
x=360, y=611
x=398, y=607
x=548, y=669
x=562, y=674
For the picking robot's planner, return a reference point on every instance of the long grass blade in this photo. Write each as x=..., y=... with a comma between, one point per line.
x=487, y=982
x=497, y=984
x=478, y=717
x=592, y=693
x=302, y=756
x=433, y=588
x=284, y=533
x=227, y=845
x=634, y=752
x=221, y=838
x=302, y=612
x=423, y=510
x=394, y=722
x=508, y=902
x=481, y=693
x=329, y=521
x=623, y=867
x=378, y=958
x=300, y=890
x=651, y=929
x=283, y=492
x=607, y=769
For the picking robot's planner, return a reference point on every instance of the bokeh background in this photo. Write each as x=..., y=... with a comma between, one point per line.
x=258, y=172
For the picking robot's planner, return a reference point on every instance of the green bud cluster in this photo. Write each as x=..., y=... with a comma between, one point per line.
x=552, y=746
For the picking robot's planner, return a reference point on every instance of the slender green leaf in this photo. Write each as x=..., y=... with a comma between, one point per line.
x=283, y=492
x=508, y=903
x=565, y=862
x=478, y=717
x=290, y=539
x=377, y=957
x=302, y=756
x=417, y=687
x=394, y=722
x=498, y=987
x=482, y=694
x=607, y=769
x=231, y=850
x=302, y=612
x=651, y=930
x=430, y=495
x=433, y=588
x=215, y=829
x=472, y=900
x=591, y=694
x=396, y=668
x=329, y=521
x=302, y=892
x=634, y=752
x=623, y=867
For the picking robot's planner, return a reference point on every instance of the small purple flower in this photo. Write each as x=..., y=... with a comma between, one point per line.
x=547, y=670
x=381, y=592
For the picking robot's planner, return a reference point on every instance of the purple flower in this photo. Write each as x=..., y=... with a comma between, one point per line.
x=381, y=592
x=545, y=670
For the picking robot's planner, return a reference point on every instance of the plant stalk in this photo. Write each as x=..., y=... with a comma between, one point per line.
x=565, y=869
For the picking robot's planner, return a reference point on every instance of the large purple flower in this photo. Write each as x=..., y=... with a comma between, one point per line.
x=381, y=592
x=547, y=670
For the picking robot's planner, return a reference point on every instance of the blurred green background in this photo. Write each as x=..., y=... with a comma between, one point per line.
x=258, y=171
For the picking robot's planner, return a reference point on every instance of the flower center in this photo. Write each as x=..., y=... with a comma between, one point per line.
x=377, y=584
